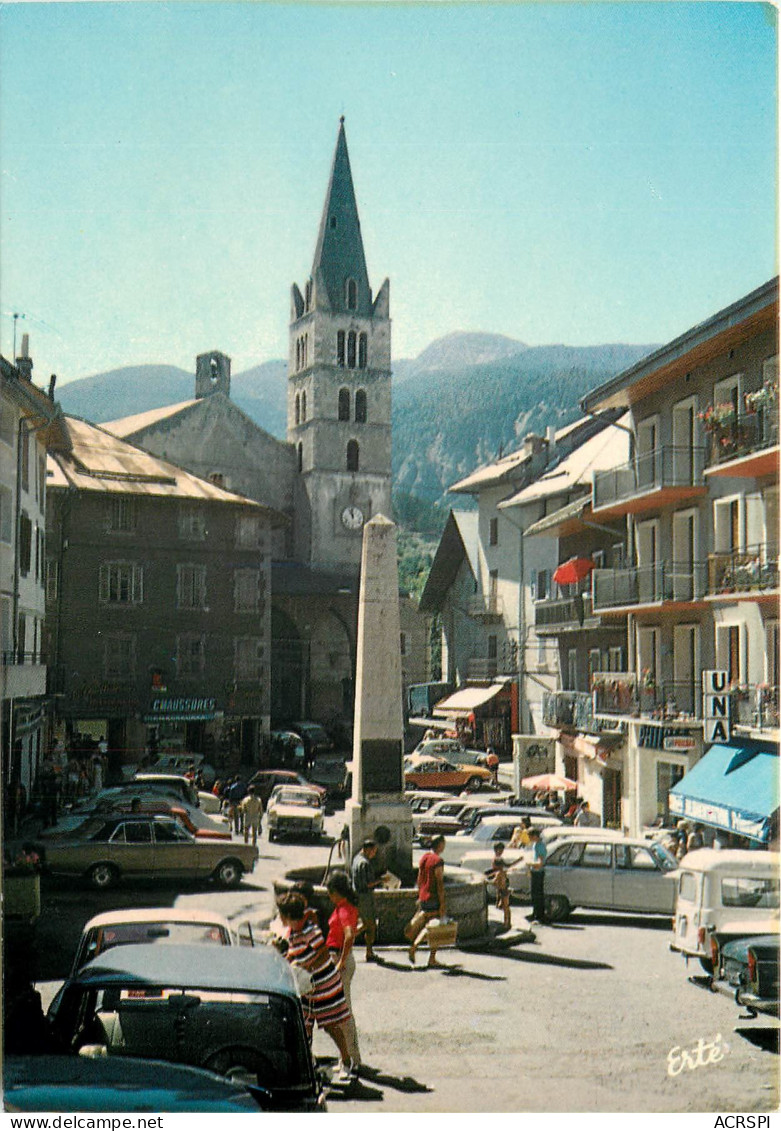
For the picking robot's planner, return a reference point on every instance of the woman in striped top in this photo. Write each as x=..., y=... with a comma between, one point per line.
x=326, y=1004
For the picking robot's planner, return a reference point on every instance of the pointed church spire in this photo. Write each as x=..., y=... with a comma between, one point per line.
x=339, y=265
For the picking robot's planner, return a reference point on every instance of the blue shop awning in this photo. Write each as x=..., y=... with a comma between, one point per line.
x=733, y=788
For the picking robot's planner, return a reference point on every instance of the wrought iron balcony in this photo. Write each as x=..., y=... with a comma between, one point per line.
x=648, y=585
x=572, y=709
x=740, y=436
x=664, y=474
x=632, y=696
x=563, y=612
x=755, y=706
x=753, y=570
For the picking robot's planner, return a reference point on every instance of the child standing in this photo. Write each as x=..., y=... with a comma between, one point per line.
x=497, y=874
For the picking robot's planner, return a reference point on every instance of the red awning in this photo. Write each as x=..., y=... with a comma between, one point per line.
x=573, y=571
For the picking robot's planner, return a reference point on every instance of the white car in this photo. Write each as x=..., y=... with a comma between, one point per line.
x=486, y=834
x=420, y=801
x=208, y=803
x=518, y=877
x=294, y=810
x=605, y=873
x=150, y=925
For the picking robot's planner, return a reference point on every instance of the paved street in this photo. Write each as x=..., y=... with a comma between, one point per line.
x=582, y=1019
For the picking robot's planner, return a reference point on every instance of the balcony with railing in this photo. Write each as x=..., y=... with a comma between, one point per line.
x=556, y=614
x=743, y=444
x=627, y=695
x=573, y=709
x=664, y=475
x=661, y=582
x=740, y=574
x=485, y=606
x=754, y=707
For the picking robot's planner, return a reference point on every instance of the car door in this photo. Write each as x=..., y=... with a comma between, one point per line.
x=131, y=848
x=639, y=884
x=178, y=854
x=586, y=877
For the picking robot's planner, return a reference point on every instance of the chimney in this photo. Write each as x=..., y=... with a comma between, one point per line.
x=532, y=444
x=24, y=362
x=551, y=437
x=52, y=383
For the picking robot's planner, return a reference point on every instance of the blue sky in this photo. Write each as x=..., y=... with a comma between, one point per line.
x=575, y=173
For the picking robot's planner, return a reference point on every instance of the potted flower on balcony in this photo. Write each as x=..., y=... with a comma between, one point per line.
x=761, y=400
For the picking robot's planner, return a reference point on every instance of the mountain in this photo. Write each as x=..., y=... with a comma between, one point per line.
x=455, y=406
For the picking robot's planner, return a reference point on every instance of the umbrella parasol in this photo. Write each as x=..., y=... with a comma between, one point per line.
x=573, y=571
x=549, y=781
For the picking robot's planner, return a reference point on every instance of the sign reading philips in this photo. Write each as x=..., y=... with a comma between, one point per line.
x=715, y=706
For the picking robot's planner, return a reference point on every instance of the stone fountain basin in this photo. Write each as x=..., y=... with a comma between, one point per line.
x=465, y=894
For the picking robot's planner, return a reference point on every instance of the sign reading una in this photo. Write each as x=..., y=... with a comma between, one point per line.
x=716, y=706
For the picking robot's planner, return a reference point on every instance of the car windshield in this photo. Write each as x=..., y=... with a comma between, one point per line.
x=121, y=934
x=190, y=1025
x=297, y=797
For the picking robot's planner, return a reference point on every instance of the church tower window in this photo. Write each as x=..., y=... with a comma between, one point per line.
x=362, y=351
x=298, y=409
x=352, y=294
x=353, y=453
x=298, y=354
x=340, y=348
x=360, y=406
x=351, y=350
x=344, y=404
x=300, y=456
x=303, y=407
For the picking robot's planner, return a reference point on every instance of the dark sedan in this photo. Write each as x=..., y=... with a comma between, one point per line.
x=238, y=1015
x=749, y=968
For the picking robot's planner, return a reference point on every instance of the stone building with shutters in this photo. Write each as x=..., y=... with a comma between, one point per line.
x=158, y=617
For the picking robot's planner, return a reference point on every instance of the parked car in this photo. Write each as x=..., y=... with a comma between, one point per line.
x=185, y=788
x=106, y=850
x=238, y=1015
x=717, y=886
x=484, y=836
x=169, y=925
x=287, y=747
x=451, y=750
x=180, y=763
x=294, y=811
x=118, y=1083
x=420, y=802
x=314, y=737
x=447, y=817
x=268, y=780
x=518, y=877
x=151, y=803
x=427, y=772
x=474, y=816
x=603, y=872
x=154, y=798
x=209, y=802
x=748, y=968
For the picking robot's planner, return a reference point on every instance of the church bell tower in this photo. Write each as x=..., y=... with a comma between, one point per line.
x=339, y=385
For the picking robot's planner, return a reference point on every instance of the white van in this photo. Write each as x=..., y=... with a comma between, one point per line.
x=724, y=891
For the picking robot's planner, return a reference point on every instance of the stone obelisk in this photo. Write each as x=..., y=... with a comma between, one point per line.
x=377, y=807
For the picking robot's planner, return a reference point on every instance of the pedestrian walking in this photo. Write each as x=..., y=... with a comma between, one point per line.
x=537, y=866
x=365, y=880
x=431, y=899
x=325, y=1005
x=235, y=795
x=497, y=874
x=342, y=931
x=252, y=815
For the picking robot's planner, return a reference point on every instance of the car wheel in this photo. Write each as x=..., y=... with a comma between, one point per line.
x=707, y=965
x=557, y=908
x=272, y=836
x=474, y=784
x=229, y=873
x=102, y=876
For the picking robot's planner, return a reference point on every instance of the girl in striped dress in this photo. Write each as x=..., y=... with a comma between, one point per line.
x=326, y=1004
